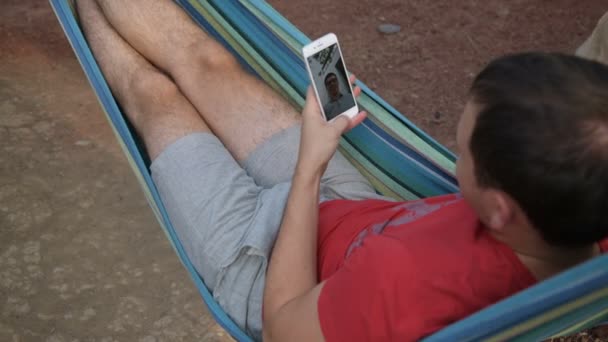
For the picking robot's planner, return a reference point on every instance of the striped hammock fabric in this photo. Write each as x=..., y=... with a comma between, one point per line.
x=397, y=157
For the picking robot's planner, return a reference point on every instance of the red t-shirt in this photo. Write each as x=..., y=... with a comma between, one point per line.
x=389, y=278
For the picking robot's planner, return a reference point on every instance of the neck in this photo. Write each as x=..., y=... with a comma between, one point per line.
x=541, y=258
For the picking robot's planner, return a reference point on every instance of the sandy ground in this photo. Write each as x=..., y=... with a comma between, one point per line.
x=81, y=255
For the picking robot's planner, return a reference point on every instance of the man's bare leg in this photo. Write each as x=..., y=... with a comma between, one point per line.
x=152, y=102
x=241, y=110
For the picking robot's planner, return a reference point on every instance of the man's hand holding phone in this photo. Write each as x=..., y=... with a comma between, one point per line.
x=320, y=138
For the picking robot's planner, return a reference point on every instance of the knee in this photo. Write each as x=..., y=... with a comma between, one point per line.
x=149, y=85
x=210, y=56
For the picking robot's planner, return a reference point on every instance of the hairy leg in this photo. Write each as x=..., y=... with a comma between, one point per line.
x=152, y=102
x=241, y=110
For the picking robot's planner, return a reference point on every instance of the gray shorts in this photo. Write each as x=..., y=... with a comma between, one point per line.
x=227, y=217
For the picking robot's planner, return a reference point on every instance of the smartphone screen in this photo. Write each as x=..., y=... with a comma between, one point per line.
x=331, y=81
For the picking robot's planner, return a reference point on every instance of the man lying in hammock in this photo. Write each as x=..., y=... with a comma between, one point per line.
x=272, y=216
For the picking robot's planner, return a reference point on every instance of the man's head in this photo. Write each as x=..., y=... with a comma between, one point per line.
x=534, y=139
x=333, y=86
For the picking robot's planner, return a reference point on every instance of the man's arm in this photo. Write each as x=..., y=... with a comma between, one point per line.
x=292, y=273
x=292, y=289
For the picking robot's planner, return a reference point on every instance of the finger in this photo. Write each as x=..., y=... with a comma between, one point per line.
x=352, y=78
x=356, y=120
x=341, y=123
x=357, y=92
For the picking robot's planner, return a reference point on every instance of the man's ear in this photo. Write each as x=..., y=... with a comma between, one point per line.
x=500, y=208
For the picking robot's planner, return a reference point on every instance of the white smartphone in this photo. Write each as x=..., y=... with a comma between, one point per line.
x=327, y=72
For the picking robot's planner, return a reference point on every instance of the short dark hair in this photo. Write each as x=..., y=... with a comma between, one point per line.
x=542, y=137
x=328, y=76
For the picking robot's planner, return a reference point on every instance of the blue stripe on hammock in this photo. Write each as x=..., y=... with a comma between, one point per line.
x=446, y=181
x=278, y=19
x=368, y=138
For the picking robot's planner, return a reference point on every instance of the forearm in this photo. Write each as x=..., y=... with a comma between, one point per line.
x=291, y=293
x=293, y=265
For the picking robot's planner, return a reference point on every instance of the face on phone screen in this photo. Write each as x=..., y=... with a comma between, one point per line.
x=331, y=82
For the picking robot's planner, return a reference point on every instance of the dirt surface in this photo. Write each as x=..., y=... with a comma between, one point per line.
x=81, y=255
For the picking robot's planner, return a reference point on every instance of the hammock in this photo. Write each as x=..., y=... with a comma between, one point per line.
x=398, y=158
